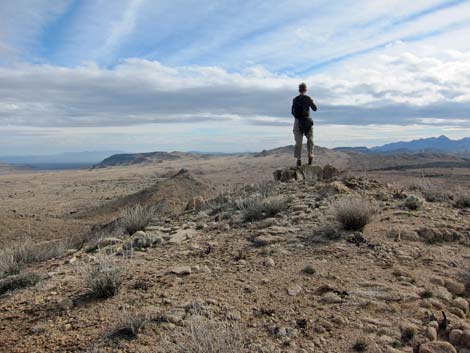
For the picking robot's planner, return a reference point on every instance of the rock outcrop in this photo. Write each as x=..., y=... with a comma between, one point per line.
x=307, y=172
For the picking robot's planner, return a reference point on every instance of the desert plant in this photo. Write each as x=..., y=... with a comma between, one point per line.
x=257, y=208
x=128, y=325
x=22, y=280
x=103, y=277
x=360, y=345
x=309, y=270
x=412, y=203
x=207, y=336
x=136, y=218
x=463, y=201
x=426, y=294
x=408, y=333
x=26, y=251
x=353, y=213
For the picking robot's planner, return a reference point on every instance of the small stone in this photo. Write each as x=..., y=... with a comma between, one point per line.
x=175, y=316
x=456, y=288
x=264, y=240
x=331, y=298
x=457, y=312
x=465, y=339
x=234, y=315
x=431, y=333
x=294, y=290
x=461, y=303
x=268, y=262
x=66, y=304
x=104, y=242
x=455, y=336
x=437, y=347
x=181, y=270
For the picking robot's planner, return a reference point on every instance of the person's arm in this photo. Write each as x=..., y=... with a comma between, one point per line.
x=292, y=109
x=312, y=105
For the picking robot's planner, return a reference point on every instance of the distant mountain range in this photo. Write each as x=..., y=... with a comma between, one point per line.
x=441, y=144
x=67, y=160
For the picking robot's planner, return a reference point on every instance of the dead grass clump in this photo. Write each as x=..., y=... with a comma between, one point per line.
x=463, y=201
x=257, y=208
x=26, y=251
x=207, y=336
x=18, y=281
x=136, y=218
x=353, y=213
x=104, y=277
x=128, y=325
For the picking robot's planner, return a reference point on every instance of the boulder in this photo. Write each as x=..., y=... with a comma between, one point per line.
x=437, y=347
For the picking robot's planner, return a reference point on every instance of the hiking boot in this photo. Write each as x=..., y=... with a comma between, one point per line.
x=299, y=162
x=310, y=160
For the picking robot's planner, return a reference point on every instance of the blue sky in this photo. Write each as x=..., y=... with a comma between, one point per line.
x=141, y=75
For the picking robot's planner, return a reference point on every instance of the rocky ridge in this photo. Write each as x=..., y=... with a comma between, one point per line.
x=290, y=281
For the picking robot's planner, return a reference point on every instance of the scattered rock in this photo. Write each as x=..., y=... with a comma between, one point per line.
x=456, y=288
x=431, y=333
x=181, y=270
x=182, y=235
x=268, y=262
x=331, y=298
x=266, y=239
x=455, y=336
x=65, y=304
x=196, y=203
x=437, y=347
x=103, y=242
x=294, y=290
x=306, y=172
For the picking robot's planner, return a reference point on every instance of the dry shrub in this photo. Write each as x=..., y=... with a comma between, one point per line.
x=207, y=336
x=463, y=201
x=257, y=208
x=129, y=323
x=104, y=277
x=412, y=203
x=18, y=281
x=26, y=251
x=137, y=218
x=354, y=212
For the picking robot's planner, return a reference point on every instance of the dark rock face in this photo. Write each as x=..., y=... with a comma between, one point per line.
x=307, y=172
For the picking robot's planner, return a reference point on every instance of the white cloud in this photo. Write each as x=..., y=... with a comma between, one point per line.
x=406, y=88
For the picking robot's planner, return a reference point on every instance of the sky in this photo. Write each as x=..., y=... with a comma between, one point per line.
x=219, y=76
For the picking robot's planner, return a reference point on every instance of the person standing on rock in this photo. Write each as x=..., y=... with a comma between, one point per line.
x=303, y=124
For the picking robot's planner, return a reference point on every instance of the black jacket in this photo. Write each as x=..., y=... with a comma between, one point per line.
x=301, y=106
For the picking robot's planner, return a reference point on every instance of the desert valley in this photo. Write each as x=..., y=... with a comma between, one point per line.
x=186, y=252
